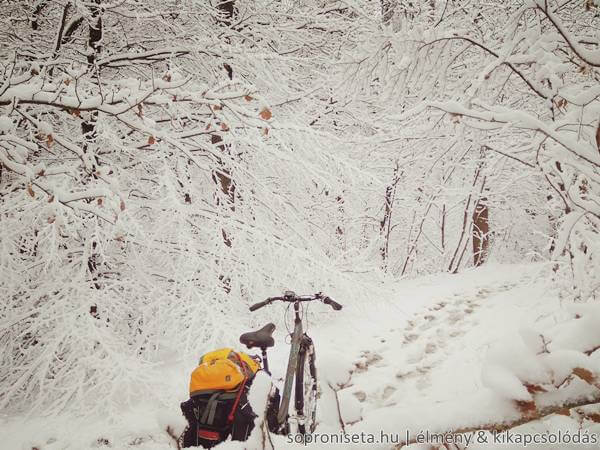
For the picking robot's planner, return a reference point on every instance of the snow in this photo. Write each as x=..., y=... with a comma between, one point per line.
x=442, y=352
x=579, y=334
x=6, y=124
x=45, y=127
x=359, y=151
x=504, y=382
x=591, y=57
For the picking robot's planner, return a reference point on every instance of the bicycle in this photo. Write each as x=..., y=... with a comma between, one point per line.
x=301, y=364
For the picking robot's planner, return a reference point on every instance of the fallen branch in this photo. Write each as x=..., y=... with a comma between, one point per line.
x=563, y=409
x=173, y=436
x=337, y=402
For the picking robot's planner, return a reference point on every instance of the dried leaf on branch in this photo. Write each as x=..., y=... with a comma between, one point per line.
x=526, y=407
x=585, y=375
x=265, y=114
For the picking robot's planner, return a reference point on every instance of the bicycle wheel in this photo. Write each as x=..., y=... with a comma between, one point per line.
x=305, y=395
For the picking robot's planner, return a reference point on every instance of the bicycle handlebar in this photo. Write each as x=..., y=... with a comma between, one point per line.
x=292, y=298
x=329, y=301
x=259, y=305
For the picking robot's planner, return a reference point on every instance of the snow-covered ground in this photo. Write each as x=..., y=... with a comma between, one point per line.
x=410, y=362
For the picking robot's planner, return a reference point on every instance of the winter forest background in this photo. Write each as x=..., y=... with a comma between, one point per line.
x=164, y=164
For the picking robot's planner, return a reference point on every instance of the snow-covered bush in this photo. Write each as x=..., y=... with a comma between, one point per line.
x=154, y=185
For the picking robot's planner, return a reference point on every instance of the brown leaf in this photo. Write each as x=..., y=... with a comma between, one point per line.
x=67, y=81
x=217, y=108
x=594, y=417
x=562, y=103
x=564, y=412
x=527, y=407
x=51, y=199
x=51, y=219
x=151, y=140
x=30, y=191
x=122, y=206
x=265, y=131
x=49, y=140
x=584, y=374
x=76, y=112
x=455, y=118
x=248, y=98
x=266, y=114
x=99, y=201
x=41, y=173
x=534, y=388
x=224, y=127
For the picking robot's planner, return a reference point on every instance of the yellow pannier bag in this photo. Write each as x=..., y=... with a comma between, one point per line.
x=222, y=369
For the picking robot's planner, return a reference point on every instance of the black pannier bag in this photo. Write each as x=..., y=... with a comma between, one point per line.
x=218, y=406
x=207, y=416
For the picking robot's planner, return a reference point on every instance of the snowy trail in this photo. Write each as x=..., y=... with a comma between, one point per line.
x=409, y=360
x=405, y=363
x=417, y=365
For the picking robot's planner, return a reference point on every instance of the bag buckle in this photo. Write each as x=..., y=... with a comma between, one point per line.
x=209, y=435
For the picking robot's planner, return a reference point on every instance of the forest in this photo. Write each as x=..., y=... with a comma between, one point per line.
x=165, y=164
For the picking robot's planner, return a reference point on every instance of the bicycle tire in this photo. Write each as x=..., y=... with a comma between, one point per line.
x=305, y=394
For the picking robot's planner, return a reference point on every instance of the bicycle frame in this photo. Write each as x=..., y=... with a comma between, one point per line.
x=291, y=368
x=301, y=348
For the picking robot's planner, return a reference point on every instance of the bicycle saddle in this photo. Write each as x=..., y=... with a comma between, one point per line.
x=259, y=338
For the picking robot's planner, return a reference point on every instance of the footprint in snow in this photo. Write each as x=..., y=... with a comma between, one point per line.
x=482, y=293
x=367, y=358
x=439, y=306
x=388, y=391
x=431, y=347
x=410, y=337
x=457, y=333
x=423, y=382
x=455, y=316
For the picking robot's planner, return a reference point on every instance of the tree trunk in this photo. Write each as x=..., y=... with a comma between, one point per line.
x=222, y=178
x=88, y=127
x=339, y=229
x=386, y=223
x=480, y=232
x=466, y=227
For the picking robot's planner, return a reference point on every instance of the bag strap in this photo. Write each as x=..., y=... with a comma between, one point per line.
x=239, y=395
x=209, y=411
